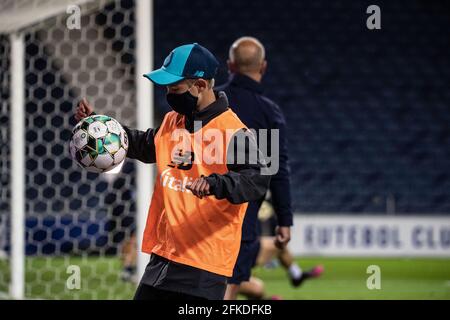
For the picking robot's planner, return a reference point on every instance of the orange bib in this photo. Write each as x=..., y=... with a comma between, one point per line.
x=202, y=233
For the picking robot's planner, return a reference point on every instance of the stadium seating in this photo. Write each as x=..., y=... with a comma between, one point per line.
x=368, y=110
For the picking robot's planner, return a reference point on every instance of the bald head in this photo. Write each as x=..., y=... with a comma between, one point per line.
x=247, y=55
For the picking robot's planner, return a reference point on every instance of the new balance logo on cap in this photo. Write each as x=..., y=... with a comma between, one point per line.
x=168, y=60
x=188, y=61
x=199, y=73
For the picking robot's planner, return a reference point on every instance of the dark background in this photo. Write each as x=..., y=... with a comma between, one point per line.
x=367, y=110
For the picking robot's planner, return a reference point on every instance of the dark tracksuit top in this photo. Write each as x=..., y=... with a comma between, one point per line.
x=242, y=183
x=258, y=112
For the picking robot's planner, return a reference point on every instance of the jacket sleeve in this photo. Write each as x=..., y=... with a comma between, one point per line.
x=280, y=188
x=244, y=181
x=141, y=144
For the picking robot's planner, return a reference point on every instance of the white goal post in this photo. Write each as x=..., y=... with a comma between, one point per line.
x=38, y=26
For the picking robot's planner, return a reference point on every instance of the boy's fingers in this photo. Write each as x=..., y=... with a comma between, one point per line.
x=81, y=110
x=198, y=187
x=204, y=188
x=84, y=103
x=192, y=186
x=201, y=188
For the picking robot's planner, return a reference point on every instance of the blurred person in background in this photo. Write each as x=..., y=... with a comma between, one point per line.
x=129, y=258
x=247, y=65
x=270, y=256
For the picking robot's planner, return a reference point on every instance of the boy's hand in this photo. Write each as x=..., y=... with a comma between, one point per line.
x=200, y=187
x=84, y=109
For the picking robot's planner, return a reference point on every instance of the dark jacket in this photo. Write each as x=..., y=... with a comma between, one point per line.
x=258, y=112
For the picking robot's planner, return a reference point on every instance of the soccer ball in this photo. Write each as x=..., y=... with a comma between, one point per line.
x=98, y=143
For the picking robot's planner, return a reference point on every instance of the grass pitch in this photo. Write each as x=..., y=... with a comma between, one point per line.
x=417, y=279
x=344, y=278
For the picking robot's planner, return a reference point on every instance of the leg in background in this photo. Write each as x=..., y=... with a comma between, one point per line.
x=296, y=275
x=267, y=251
x=232, y=291
x=253, y=289
x=129, y=256
x=246, y=260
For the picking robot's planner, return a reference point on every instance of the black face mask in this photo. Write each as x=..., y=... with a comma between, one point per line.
x=183, y=103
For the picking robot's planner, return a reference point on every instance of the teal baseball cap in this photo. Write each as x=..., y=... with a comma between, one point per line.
x=190, y=61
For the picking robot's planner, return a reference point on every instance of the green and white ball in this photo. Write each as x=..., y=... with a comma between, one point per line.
x=98, y=143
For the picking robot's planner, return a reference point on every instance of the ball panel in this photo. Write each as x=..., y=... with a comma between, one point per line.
x=101, y=118
x=80, y=139
x=100, y=146
x=77, y=127
x=112, y=143
x=119, y=156
x=89, y=120
x=104, y=161
x=97, y=129
x=86, y=160
x=91, y=147
x=84, y=125
x=80, y=154
x=113, y=127
x=124, y=139
x=94, y=169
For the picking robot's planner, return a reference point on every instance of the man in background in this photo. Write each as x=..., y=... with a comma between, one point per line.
x=247, y=65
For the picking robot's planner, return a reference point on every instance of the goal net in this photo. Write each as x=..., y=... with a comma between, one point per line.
x=76, y=223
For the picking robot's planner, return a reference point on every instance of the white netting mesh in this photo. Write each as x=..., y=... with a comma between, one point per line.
x=4, y=160
x=17, y=14
x=73, y=217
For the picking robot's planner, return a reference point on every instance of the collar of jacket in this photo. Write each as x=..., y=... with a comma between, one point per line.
x=210, y=112
x=243, y=81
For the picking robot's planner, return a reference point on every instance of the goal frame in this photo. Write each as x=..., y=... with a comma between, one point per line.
x=145, y=119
